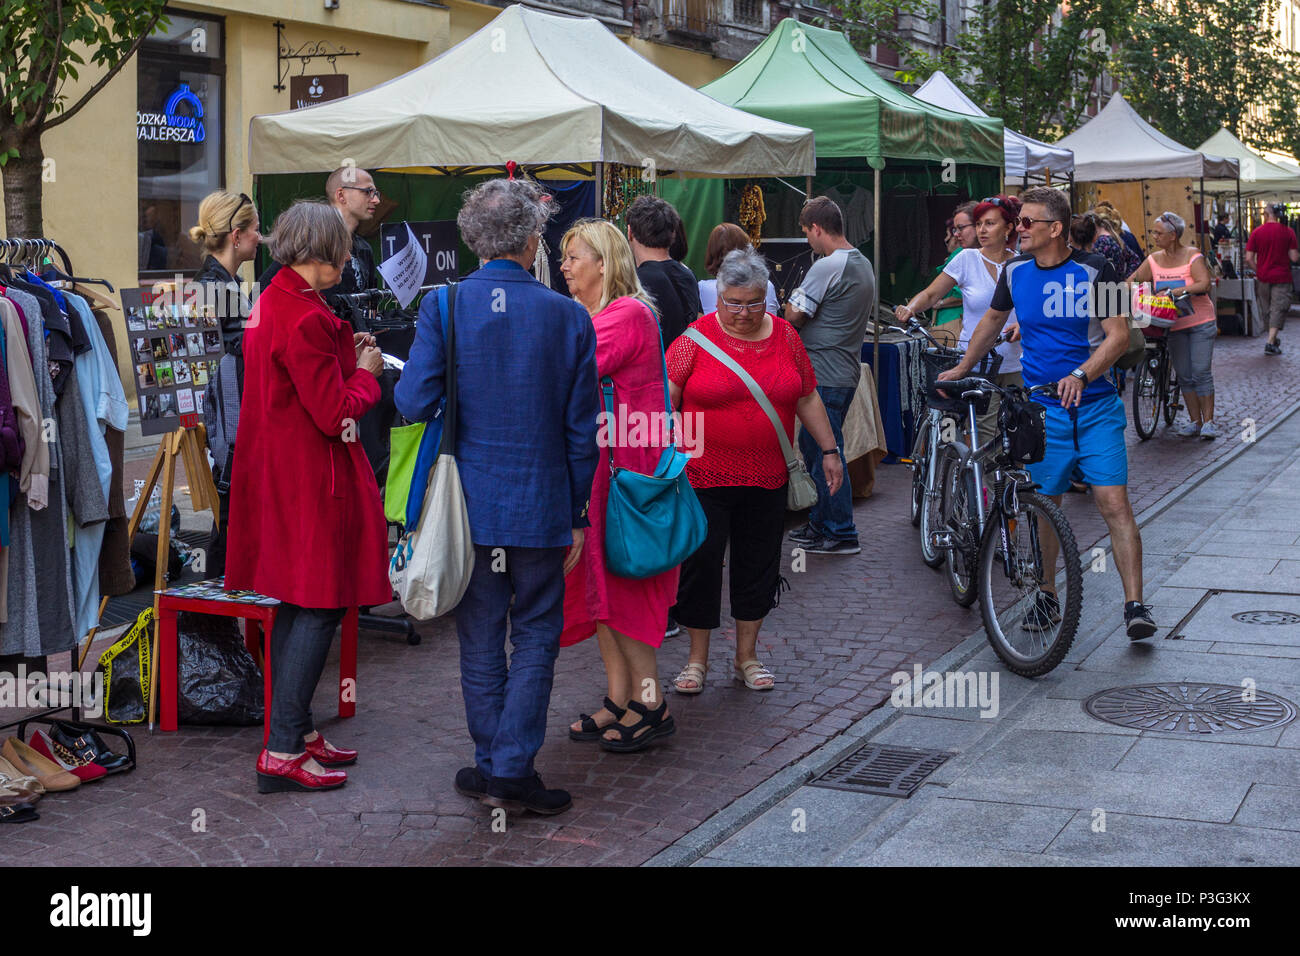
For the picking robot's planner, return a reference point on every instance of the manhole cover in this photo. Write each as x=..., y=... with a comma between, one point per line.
x=1191, y=709
x=892, y=771
x=1267, y=617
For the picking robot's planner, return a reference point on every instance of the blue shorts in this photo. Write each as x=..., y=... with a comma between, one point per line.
x=1090, y=436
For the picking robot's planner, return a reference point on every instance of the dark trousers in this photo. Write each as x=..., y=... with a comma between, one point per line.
x=832, y=516
x=505, y=707
x=752, y=521
x=300, y=642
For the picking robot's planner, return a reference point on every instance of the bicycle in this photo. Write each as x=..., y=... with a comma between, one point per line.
x=1030, y=632
x=1155, y=386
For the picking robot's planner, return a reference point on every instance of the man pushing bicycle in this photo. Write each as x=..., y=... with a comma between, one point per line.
x=1073, y=328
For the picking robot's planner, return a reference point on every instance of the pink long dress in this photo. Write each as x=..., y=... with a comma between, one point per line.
x=628, y=350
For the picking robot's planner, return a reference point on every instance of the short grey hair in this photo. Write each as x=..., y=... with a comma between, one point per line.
x=1173, y=221
x=310, y=231
x=500, y=216
x=743, y=269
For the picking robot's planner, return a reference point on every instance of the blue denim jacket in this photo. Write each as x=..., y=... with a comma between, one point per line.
x=528, y=400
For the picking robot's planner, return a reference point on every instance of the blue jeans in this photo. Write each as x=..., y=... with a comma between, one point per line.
x=506, y=708
x=831, y=517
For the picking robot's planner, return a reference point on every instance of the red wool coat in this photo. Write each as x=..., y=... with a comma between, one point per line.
x=306, y=522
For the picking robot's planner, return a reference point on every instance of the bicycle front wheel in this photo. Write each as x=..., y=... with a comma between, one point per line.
x=960, y=522
x=1146, y=397
x=1030, y=629
x=930, y=514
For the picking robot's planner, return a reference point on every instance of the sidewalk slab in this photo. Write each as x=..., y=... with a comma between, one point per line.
x=1153, y=841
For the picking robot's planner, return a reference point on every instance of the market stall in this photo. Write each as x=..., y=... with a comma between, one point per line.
x=1026, y=159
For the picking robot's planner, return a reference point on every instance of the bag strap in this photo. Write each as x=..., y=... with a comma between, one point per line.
x=607, y=388
x=698, y=337
x=447, y=297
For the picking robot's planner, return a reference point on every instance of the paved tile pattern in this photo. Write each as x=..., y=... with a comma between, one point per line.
x=847, y=624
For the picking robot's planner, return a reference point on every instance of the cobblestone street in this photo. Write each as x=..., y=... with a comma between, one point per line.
x=846, y=625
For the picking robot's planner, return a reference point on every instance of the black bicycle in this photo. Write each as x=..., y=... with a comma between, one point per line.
x=1016, y=552
x=1155, y=387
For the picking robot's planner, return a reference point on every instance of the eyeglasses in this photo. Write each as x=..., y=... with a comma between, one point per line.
x=969, y=225
x=1024, y=222
x=243, y=199
x=735, y=308
x=370, y=191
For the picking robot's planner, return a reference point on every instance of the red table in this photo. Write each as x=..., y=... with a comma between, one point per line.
x=259, y=621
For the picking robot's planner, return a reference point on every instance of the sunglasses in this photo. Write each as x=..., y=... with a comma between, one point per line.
x=243, y=200
x=994, y=201
x=1025, y=223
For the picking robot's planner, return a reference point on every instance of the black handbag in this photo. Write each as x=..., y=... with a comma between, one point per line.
x=1024, y=429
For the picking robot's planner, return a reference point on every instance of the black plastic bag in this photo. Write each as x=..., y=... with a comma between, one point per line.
x=219, y=682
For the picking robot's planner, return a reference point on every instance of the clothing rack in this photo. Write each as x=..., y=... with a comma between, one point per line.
x=17, y=252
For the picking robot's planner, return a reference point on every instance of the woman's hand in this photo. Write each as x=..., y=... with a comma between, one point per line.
x=902, y=313
x=1012, y=334
x=362, y=340
x=371, y=359
x=834, y=473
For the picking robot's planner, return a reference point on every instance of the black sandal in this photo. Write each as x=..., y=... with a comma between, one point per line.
x=590, y=729
x=19, y=813
x=629, y=740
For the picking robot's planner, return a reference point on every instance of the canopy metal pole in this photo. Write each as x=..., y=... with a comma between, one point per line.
x=1201, y=236
x=1074, y=199
x=875, y=313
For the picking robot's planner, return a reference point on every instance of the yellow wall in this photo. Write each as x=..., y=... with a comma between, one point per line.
x=693, y=69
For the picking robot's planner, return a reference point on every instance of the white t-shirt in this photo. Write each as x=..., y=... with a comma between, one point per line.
x=970, y=269
x=709, y=296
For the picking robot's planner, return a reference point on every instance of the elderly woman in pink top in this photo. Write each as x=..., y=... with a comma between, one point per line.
x=626, y=615
x=1175, y=268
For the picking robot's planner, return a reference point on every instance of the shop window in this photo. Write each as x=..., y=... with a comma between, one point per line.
x=179, y=121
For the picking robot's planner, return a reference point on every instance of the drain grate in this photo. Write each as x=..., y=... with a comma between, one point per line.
x=891, y=771
x=1267, y=617
x=1190, y=708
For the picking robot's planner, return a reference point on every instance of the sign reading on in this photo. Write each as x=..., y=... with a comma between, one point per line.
x=439, y=240
x=308, y=90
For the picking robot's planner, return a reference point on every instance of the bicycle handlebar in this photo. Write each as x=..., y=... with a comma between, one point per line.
x=974, y=386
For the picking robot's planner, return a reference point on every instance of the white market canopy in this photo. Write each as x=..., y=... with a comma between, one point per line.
x=1023, y=154
x=1117, y=145
x=1259, y=177
x=537, y=89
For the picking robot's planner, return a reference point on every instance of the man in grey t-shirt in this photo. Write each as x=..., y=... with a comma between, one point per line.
x=830, y=309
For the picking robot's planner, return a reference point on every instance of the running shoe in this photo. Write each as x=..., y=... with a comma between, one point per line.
x=1138, y=620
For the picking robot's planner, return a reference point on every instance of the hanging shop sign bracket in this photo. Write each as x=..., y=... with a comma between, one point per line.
x=311, y=50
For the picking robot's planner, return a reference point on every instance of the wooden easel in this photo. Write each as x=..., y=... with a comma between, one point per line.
x=188, y=444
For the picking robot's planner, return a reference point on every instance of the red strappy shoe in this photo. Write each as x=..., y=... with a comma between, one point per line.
x=328, y=755
x=277, y=776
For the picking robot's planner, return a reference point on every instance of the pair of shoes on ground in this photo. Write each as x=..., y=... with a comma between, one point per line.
x=814, y=543
x=512, y=794
x=753, y=673
x=653, y=725
x=1206, y=430
x=68, y=756
x=1046, y=613
x=278, y=775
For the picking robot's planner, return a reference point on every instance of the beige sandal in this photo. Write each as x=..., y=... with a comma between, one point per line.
x=693, y=671
x=753, y=670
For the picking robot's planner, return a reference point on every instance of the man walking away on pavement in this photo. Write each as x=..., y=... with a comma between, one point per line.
x=1268, y=250
x=526, y=446
x=830, y=309
x=652, y=227
x=1070, y=307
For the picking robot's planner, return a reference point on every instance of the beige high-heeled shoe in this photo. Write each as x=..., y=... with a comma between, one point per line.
x=53, y=777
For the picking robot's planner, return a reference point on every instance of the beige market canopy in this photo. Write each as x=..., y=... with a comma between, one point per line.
x=536, y=89
x=1259, y=177
x=1117, y=145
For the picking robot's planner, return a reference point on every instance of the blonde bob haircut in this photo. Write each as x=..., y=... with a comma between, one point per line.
x=220, y=213
x=310, y=231
x=611, y=248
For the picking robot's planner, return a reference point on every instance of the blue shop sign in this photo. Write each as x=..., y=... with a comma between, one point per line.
x=181, y=120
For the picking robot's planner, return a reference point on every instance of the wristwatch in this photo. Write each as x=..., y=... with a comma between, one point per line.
x=833, y=451
x=1081, y=375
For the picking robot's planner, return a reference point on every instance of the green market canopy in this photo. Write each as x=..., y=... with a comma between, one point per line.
x=813, y=77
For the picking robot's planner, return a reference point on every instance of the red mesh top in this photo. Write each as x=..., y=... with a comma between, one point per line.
x=731, y=440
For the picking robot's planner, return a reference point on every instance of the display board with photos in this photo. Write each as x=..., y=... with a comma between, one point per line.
x=175, y=349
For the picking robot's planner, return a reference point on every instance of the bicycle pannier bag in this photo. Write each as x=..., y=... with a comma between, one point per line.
x=1024, y=429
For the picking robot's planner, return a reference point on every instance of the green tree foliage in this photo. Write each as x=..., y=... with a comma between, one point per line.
x=1192, y=66
x=43, y=44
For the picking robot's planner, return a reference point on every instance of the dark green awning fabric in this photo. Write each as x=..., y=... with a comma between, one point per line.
x=813, y=77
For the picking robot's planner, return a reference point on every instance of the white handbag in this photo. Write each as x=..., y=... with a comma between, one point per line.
x=431, y=568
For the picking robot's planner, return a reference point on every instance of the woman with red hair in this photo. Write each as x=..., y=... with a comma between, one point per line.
x=976, y=272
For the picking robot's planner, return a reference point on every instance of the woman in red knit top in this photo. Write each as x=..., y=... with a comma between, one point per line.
x=739, y=472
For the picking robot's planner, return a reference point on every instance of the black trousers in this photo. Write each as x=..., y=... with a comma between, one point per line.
x=300, y=642
x=752, y=521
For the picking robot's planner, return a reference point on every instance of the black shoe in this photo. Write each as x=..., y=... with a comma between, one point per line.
x=1271, y=348
x=673, y=628
x=85, y=743
x=470, y=782
x=513, y=794
x=18, y=813
x=629, y=740
x=1044, y=615
x=804, y=535
x=590, y=729
x=1137, y=616
x=832, y=546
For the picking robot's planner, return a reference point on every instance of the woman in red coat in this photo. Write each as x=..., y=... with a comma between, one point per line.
x=306, y=523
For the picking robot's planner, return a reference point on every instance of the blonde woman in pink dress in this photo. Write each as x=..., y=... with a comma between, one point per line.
x=627, y=615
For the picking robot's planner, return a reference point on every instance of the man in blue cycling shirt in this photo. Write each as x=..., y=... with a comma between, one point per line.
x=1073, y=327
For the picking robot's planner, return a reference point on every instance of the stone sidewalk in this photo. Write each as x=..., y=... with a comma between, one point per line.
x=1045, y=783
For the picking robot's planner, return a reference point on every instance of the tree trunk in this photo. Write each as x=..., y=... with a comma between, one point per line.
x=22, y=184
